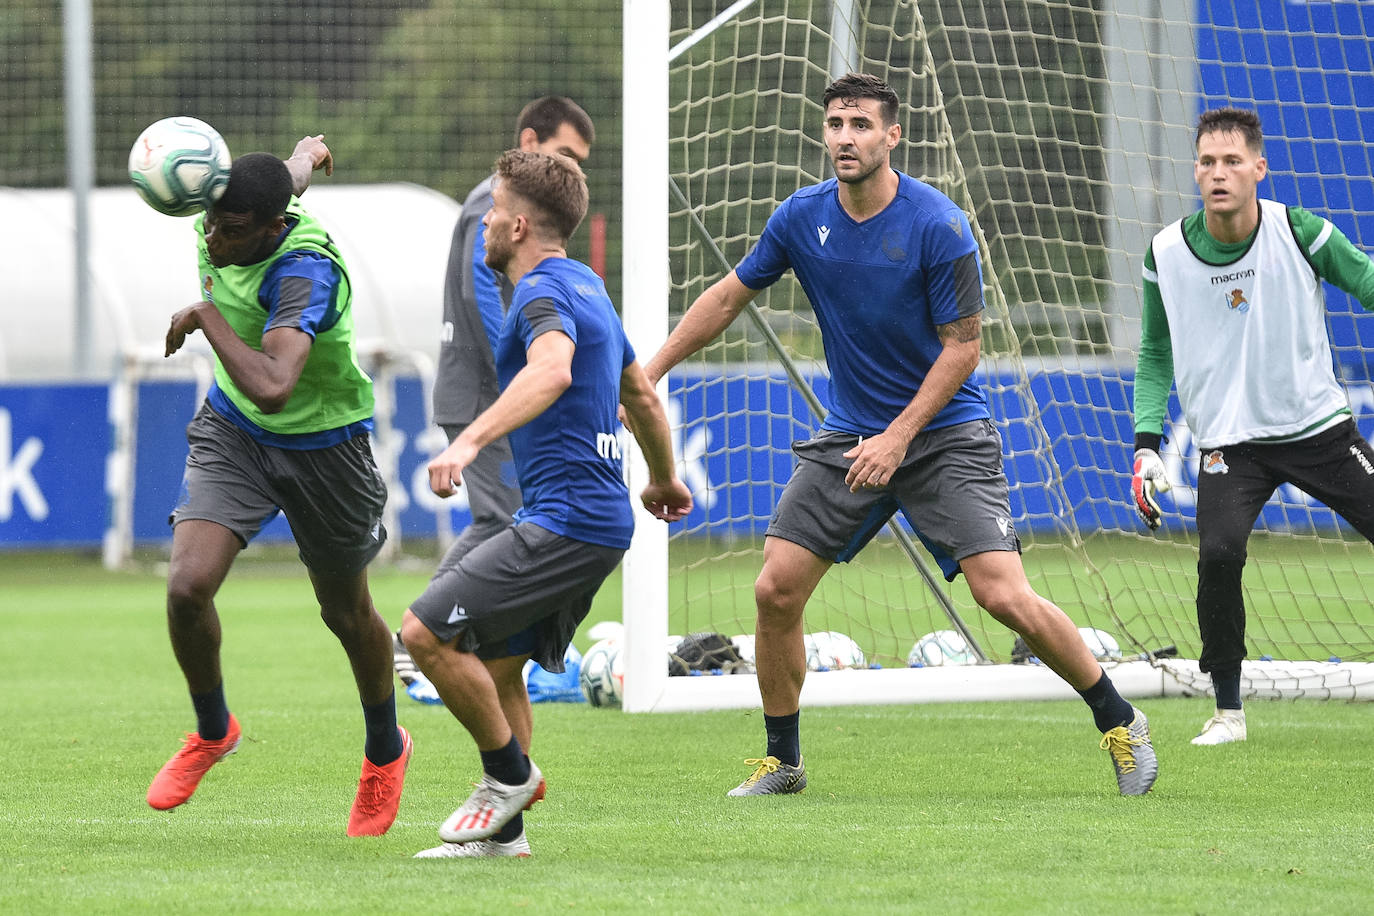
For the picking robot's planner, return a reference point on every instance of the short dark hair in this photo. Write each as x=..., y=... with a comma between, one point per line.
x=546, y=114
x=260, y=184
x=863, y=86
x=1227, y=120
x=554, y=185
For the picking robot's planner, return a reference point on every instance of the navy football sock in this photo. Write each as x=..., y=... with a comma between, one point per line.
x=514, y=827
x=212, y=714
x=1226, y=684
x=784, y=737
x=507, y=764
x=1110, y=708
x=383, y=744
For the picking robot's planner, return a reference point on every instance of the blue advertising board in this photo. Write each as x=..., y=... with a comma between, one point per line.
x=1067, y=453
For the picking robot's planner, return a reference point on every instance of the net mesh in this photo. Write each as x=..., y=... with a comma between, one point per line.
x=1065, y=131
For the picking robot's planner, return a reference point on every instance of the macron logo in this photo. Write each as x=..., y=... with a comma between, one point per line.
x=458, y=614
x=824, y=233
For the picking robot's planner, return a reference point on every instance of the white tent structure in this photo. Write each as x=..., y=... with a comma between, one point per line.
x=394, y=237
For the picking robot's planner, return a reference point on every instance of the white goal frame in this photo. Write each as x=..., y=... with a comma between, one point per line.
x=646, y=285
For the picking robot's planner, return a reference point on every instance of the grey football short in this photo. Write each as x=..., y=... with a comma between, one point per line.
x=950, y=488
x=522, y=592
x=332, y=497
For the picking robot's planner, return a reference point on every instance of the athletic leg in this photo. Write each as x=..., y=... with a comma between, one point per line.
x=998, y=583
x=790, y=574
x=1231, y=492
x=469, y=690
x=202, y=553
x=1336, y=467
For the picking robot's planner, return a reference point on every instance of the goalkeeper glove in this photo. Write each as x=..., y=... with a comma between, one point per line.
x=1148, y=480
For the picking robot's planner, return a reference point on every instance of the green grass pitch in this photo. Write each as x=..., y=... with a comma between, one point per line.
x=960, y=808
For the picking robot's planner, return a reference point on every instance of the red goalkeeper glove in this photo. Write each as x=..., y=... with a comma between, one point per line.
x=1148, y=480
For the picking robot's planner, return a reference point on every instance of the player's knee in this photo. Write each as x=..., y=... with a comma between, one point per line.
x=1218, y=556
x=777, y=601
x=1017, y=608
x=188, y=596
x=419, y=641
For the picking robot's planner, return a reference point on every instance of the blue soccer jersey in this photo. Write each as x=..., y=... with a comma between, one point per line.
x=568, y=458
x=879, y=288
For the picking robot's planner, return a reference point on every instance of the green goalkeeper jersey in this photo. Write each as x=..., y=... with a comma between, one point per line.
x=1242, y=327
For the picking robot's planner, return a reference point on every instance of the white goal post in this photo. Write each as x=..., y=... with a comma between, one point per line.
x=1065, y=132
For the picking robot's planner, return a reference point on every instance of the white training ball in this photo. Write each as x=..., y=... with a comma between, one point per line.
x=603, y=675
x=943, y=647
x=832, y=651
x=744, y=645
x=1101, y=643
x=180, y=166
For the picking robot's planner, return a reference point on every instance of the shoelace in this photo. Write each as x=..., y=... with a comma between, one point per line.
x=764, y=766
x=371, y=791
x=1120, y=743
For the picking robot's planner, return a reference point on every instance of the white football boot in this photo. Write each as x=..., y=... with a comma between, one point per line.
x=1226, y=726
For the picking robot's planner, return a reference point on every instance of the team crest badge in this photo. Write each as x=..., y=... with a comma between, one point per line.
x=1236, y=301
x=208, y=287
x=1214, y=463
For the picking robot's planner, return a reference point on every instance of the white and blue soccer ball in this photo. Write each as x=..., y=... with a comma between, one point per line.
x=744, y=645
x=943, y=647
x=603, y=673
x=180, y=165
x=832, y=651
x=1102, y=644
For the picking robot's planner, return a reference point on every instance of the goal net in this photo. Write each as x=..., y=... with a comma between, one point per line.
x=1065, y=132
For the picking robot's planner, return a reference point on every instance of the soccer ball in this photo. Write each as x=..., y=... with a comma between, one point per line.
x=744, y=645
x=943, y=647
x=831, y=651
x=180, y=166
x=603, y=676
x=1101, y=643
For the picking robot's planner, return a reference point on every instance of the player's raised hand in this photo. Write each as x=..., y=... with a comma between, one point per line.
x=1148, y=480
x=315, y=150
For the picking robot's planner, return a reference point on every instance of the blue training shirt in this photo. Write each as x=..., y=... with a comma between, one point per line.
x=568, y=457
x=879, y=288
x=486, y=289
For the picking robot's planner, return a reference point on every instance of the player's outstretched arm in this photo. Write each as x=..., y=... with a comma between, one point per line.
x=310, y=154
x=547, y=374
x=666, y=496
x=707, y=317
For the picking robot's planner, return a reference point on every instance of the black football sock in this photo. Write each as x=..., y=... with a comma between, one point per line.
x=212, y=715
x=1226, y=684
x=1110, y=708
x=383, y=743
x=514, y=827
x=508, y=764
x=784, y=737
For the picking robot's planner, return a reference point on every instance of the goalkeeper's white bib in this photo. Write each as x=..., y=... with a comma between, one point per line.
x=1252, y=359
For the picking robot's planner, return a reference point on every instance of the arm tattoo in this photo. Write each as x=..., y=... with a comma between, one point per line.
x=961, y=330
